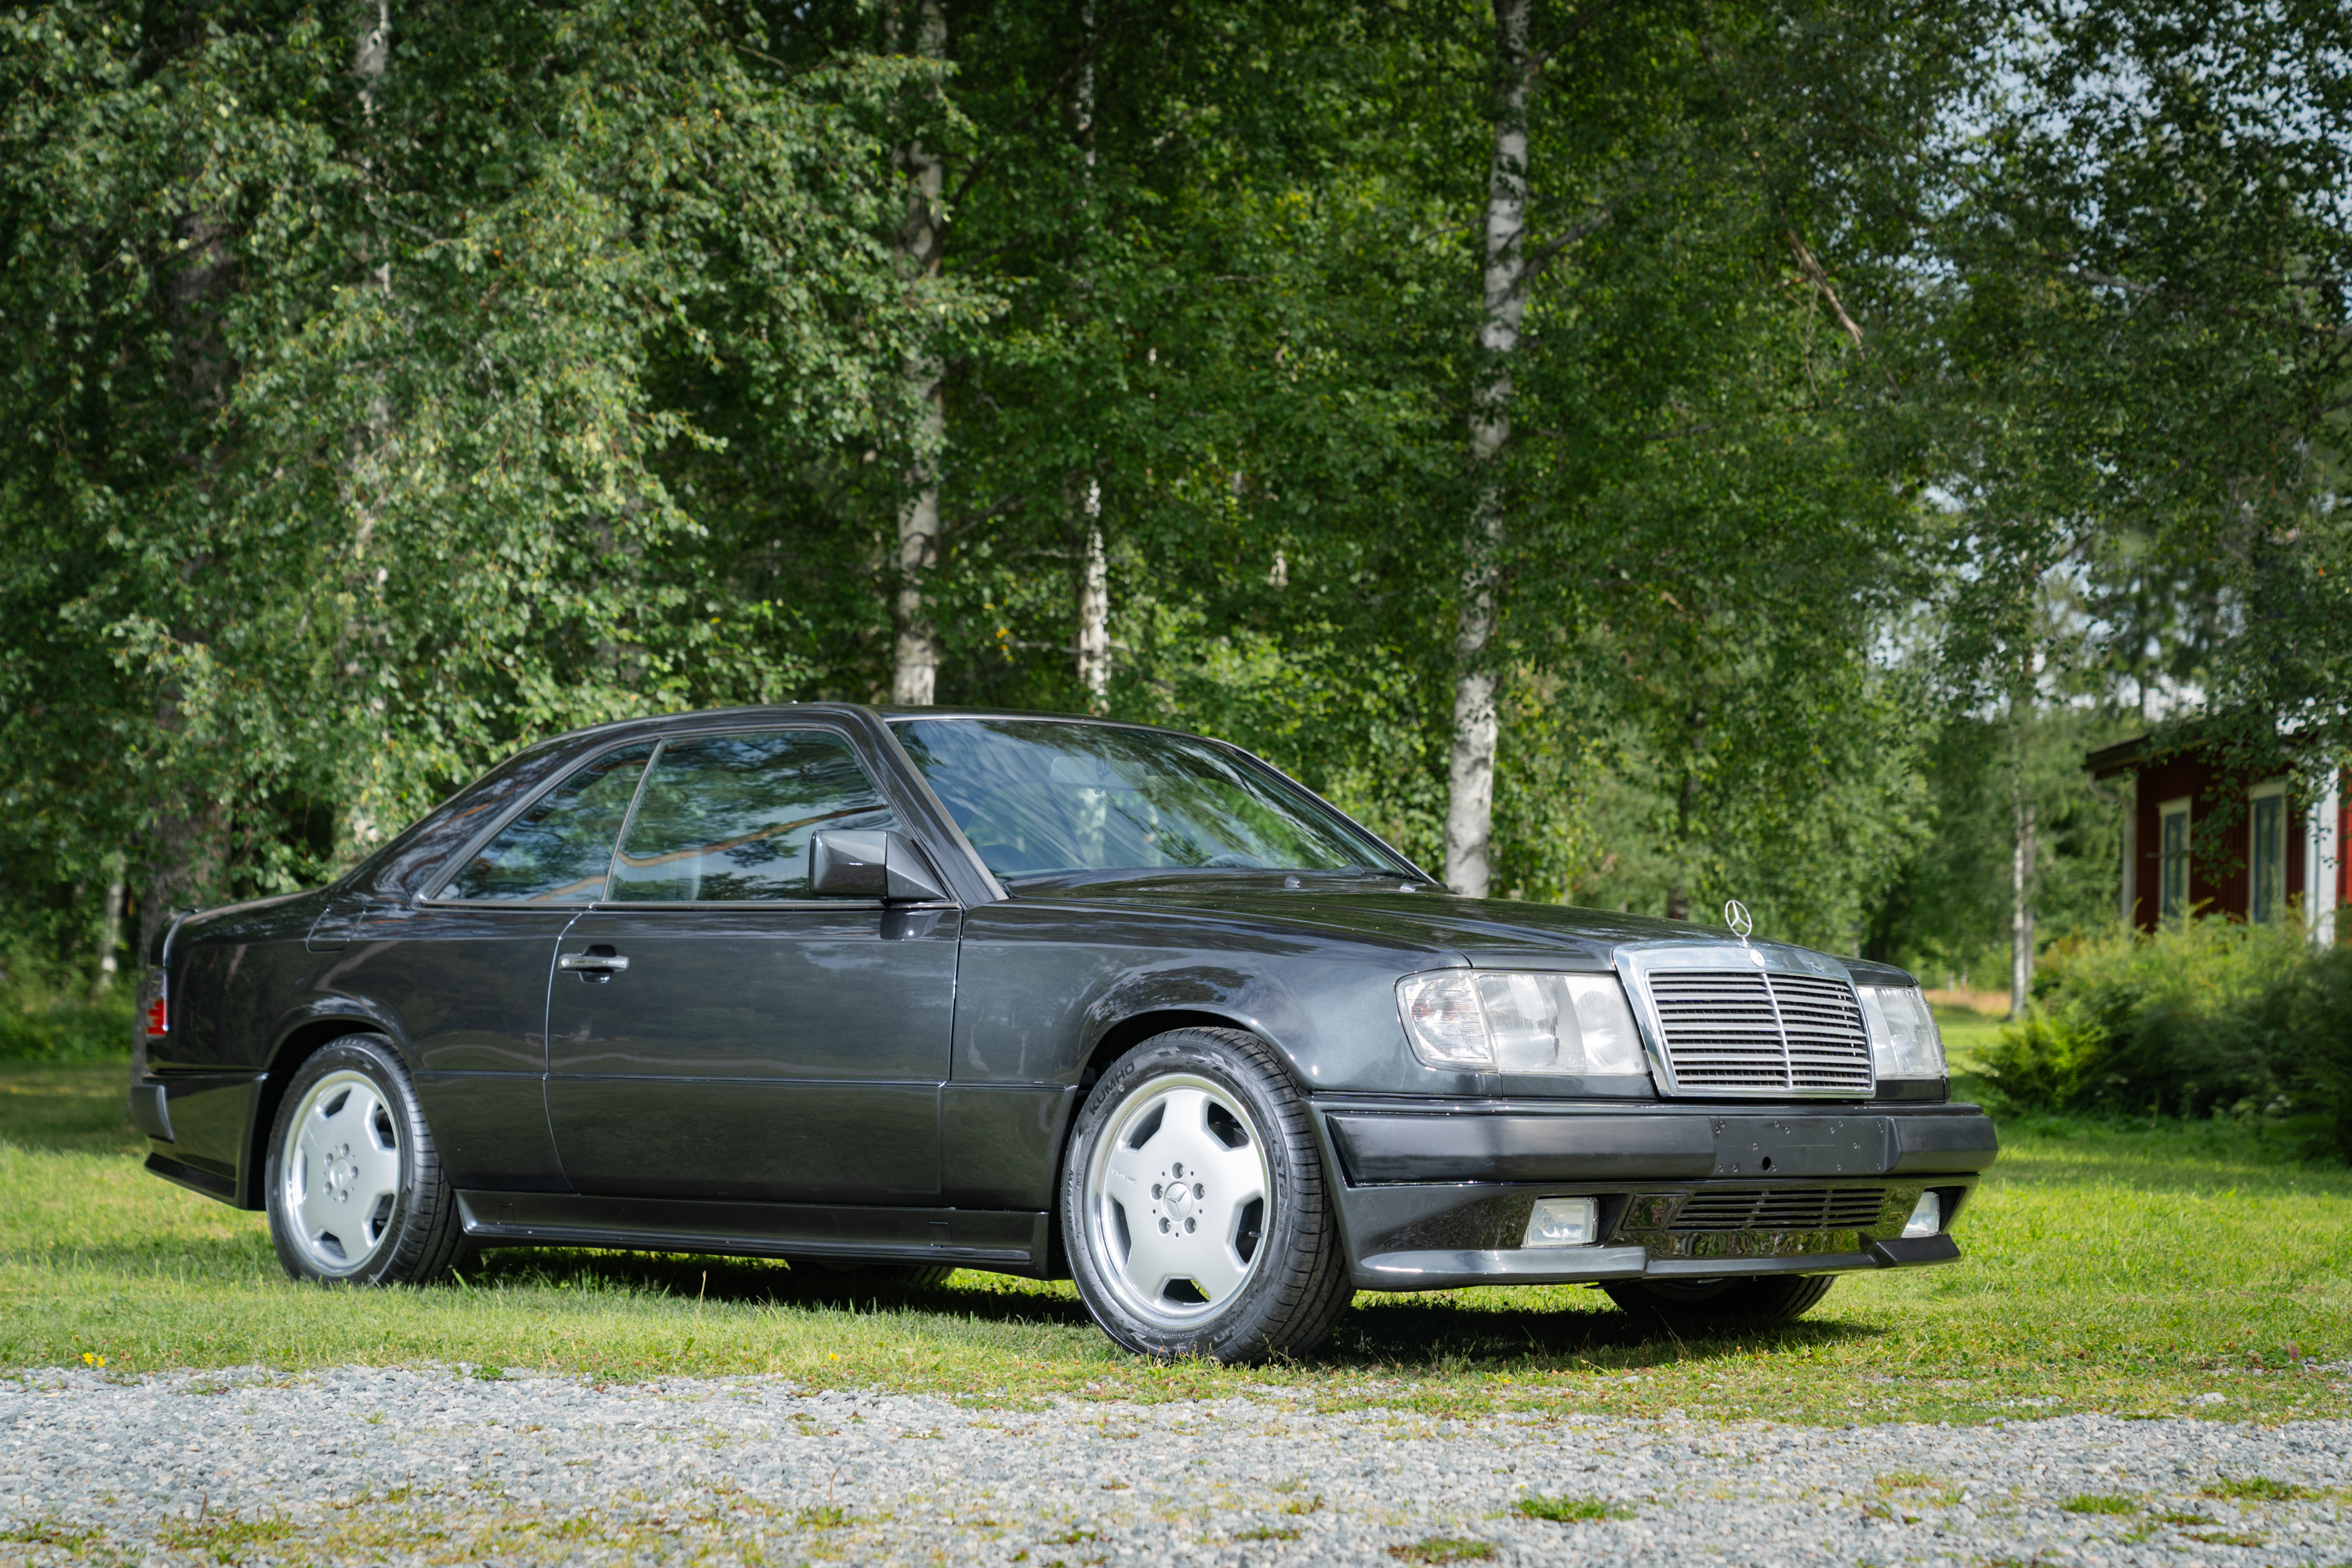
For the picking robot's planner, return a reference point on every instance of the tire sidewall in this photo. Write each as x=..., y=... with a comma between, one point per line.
x=376, y=1060
x=1249, y=1322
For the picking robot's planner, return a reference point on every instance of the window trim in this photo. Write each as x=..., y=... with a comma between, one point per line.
x=660, y=739
x=2185, y=807
x=2270, y=789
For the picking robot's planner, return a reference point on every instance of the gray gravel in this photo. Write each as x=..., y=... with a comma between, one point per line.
x=373, y=1466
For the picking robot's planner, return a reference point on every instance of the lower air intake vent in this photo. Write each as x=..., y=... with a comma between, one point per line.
x=1734, y=1031
x=1782, y=1208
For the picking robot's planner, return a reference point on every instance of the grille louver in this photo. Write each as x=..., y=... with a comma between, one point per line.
x=1741, y=1032
x=1785, y=1208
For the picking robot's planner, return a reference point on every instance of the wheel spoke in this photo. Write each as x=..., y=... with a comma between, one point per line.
x=1235, y=1176
x=1131, y=1172
x=354, y=1120
x=1183, y=1126
x=1215, y=1269
x=1153, y=1259
x=378, y=1174
x=320, y=1213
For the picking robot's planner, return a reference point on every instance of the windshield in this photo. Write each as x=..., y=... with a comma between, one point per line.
x=1040, y=798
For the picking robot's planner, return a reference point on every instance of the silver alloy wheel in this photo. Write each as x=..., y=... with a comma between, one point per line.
x=341, y=1167
x=1176, y=1200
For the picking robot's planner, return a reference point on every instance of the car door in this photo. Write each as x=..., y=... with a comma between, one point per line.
x=467, y=971
x=717, y=1032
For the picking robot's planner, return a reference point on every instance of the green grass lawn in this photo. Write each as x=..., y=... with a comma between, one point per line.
x=2134, y=1270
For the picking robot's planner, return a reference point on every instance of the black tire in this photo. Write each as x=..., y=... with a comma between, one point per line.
x=406, y=1232
x=1704, y=1304
x=1281, y=1267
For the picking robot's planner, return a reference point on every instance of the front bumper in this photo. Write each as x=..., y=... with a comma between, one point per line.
x=1437, y=1196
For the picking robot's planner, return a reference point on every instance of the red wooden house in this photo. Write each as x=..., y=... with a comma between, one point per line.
x=2200, y=835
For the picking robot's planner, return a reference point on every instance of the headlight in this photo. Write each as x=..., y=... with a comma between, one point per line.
x=1904, y=1039
x=1500, y=1021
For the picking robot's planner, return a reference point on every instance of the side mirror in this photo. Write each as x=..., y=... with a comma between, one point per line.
x=869, y=865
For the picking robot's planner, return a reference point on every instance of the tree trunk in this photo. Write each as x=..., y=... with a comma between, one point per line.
x=915, y=662
x=1470, y=784
x=1094, y=607
x=2020, y=873
x=1686, y=810
x=110, y=928
x=1094, y=567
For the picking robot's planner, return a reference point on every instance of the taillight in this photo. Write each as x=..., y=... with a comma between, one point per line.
x=159, y=1017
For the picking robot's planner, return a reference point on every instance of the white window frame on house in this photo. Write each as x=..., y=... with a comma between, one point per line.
x=2323, y=854
x=2172, y=856
x=2266, y=852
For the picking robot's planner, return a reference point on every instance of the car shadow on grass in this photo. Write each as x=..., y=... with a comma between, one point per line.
x=1407, y=1335
x=1403, y=1336
x=760, y=1282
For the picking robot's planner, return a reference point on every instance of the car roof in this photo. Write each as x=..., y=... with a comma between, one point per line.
x=768, y=712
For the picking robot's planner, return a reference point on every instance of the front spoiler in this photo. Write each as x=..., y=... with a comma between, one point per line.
x=1446, y=1270
x=1437, y=1194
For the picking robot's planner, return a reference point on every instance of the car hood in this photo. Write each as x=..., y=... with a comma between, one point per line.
x=1488, y=934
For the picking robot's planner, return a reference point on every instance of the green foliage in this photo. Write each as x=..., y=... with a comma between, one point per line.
x=373, y=421
x=39, y=1028
x=2200, y=1018
x=355, y=422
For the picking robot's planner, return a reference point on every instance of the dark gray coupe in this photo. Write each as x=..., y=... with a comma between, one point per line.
x=926, y=990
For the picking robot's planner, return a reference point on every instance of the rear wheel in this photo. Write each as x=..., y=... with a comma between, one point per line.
x=1704, y=1303
x=355, y=1189
x=1194, y=1208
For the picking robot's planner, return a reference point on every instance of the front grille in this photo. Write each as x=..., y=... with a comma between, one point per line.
x=1780, y=1209
x=1737, y=1031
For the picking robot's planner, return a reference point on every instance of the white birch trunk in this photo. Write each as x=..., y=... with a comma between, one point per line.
x=915, y=662
x=1470, y=784
x=110, y=931
x=1094, y=607
x=2021, y=920
x=1094, y=566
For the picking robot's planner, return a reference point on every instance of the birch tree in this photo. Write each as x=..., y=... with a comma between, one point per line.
x=922, y=237
x=1470, y=774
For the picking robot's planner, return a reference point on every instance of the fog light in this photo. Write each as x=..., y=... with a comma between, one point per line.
x=1563, y=1222
x=1926, y=1216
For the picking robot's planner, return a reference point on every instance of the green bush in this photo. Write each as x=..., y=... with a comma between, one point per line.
x=35, y=1027
x=2201, y=1017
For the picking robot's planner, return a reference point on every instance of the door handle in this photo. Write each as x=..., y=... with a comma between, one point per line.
x=593, y=962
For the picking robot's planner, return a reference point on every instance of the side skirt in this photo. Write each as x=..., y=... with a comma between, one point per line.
x=1003, y=1241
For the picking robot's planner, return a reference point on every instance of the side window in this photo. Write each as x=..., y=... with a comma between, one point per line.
x=559, y=851
x=728, y=817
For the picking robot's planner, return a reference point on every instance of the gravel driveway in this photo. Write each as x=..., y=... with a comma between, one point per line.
x=438, y=1465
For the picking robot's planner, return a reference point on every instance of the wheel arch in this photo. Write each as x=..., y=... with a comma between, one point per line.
x=296, y=1043
x=1116, y=1041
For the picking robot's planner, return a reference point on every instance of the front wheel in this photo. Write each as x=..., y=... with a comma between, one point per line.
x=1701, y=1304
x=1194, y=1208
x=356, y=1193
